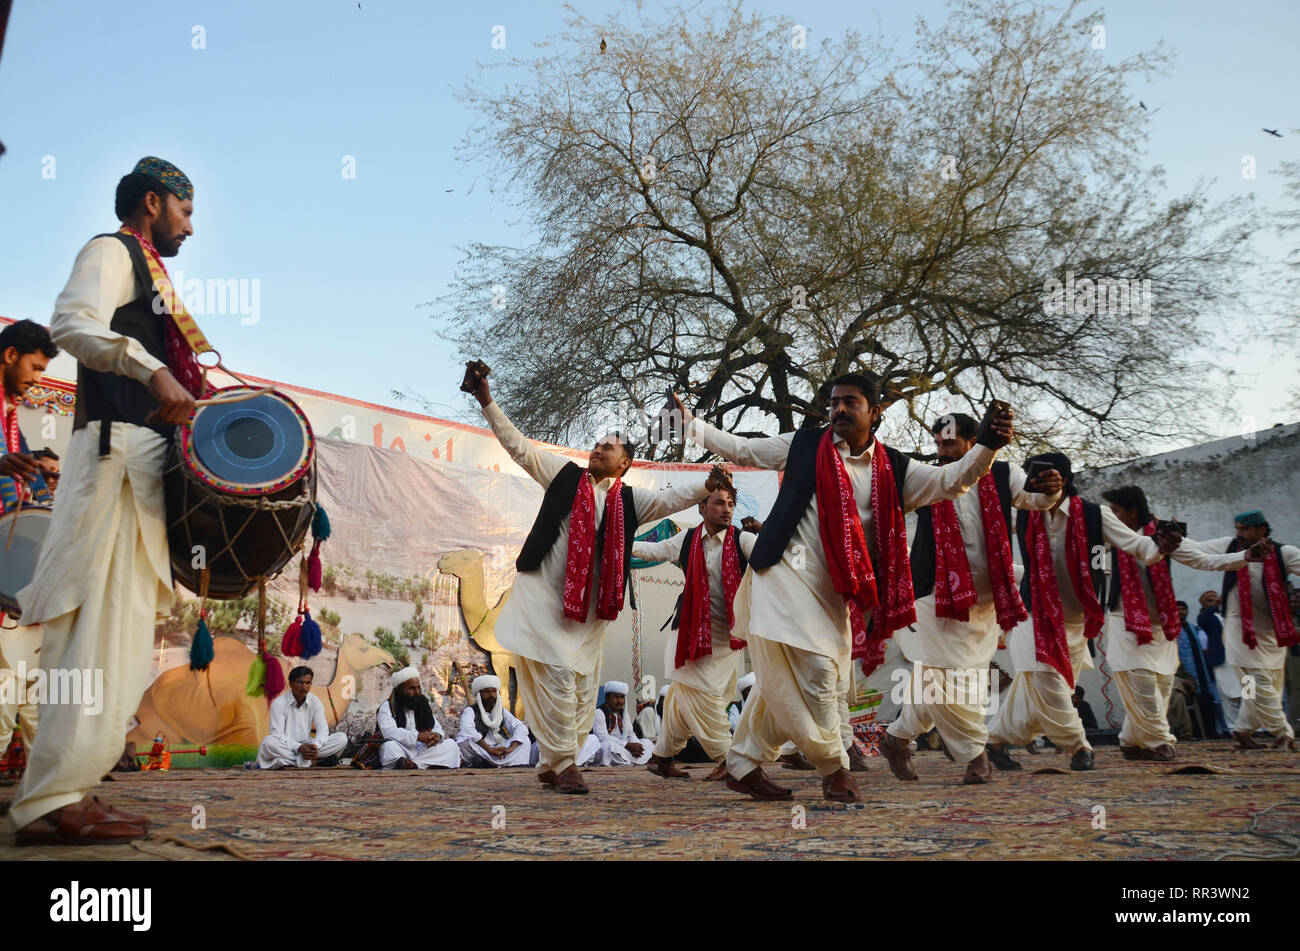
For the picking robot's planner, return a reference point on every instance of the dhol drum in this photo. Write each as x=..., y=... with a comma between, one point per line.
x=22, y=533
x=240, y=485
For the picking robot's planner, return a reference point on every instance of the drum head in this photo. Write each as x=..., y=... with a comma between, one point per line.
x=252, y=447
x=27, y=529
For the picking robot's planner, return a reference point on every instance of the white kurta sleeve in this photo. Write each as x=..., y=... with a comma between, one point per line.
x=670, y=549
x=518, y=731
x=652, y=504
x=318, y=721
x=468, y=728
x=763, y=452
x=541, y=465
x=1291, y=559
x=389, y=729
x=924, y=485
x=102, y=280
x=1191, y=554
x=1118, y=535
x=1033, y=501
x=747, y=540
x=598, y=726
x=279, y=716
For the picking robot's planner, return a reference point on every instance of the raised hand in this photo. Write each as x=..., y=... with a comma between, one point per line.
x=996, y=429
x=475, y=381
x=687, y=415
x=1167, y=541
x=1260, y=550
x=1048, y=482
x=719, y=477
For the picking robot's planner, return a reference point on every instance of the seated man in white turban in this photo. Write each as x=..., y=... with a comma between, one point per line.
x=620, y=746
x=489, y=734
x=294, y=715
x=413, y=737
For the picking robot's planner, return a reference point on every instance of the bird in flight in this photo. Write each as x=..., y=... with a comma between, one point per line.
x=1143, y=105
x=1274, y=132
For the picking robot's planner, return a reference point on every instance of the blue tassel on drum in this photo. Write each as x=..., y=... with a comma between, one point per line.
x=320, y=524
x=311, y=637
x=201, y=648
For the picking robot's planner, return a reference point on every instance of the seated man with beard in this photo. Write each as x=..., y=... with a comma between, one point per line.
x=413, y=737
x=489, y=734
x=620, y=746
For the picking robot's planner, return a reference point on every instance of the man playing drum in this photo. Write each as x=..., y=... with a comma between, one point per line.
x=104, y=573
x=25, y=351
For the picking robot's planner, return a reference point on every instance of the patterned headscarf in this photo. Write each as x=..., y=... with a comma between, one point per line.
x=166, y=173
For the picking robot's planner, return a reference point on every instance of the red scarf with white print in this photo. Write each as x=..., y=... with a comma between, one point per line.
x=954, y=591
x=1137, y=618
x=582, y=553
x=1278, y=605
x=848, y=559
x=695, y=626
x=1051, y=646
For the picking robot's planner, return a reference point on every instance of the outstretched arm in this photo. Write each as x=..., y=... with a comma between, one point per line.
x=670, y=549
x=766, y=452
x=542, y=466
x=924, y=485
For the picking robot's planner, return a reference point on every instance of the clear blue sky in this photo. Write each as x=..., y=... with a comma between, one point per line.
x=261, y=119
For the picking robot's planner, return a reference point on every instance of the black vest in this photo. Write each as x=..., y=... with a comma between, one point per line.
x=797, y=490
x=557, y=503
x=684, y=562
x=106, y=396
x=922, y=555
x=1230, y=577
x=1092, y=531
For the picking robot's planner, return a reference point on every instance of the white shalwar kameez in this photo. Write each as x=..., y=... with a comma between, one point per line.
x=1144, y=673
x=799, y=640
x=951, y=657
x=613, y=743
x=511, y=729
x=1266, y=662
x=1039, y=702
x=404, y=742
x=104, y=573
x=559, y=658
x=291, y=726
x=700, y=689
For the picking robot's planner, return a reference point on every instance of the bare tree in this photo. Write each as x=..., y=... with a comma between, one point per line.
x=722, y=208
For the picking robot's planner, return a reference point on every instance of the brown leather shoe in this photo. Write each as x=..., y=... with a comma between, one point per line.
x=857, y=762
x=115, y=812
x=795, y=760
x=719, y=773
x=548, y=778
x=1163, y=753
x=978, y=771
x=898, y=756
x=664, y=767
x=840, y=786
x=1245, y=741
x=79, y=824
x=1284, y=743
x=758, y=786
x=571, y=782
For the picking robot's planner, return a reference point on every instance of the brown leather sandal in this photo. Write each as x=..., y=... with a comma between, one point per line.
x=92, y=824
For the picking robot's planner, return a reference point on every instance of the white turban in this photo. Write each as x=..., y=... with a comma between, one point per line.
x=616, y=686
x=487, y=681
x=745, y=682
x=403, y=675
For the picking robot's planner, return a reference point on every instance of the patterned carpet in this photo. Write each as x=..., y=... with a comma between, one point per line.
x=1242, y=805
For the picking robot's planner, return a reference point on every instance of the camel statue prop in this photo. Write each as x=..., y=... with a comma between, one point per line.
x=210, y=707
x=467, y=565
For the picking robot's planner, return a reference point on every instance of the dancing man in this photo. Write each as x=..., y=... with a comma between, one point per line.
x=963, y=576
x=829, y=579
x=578, y=551
x=703, y=660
